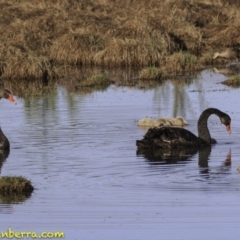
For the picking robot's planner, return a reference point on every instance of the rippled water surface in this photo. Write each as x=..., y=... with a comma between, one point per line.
x=79, y=151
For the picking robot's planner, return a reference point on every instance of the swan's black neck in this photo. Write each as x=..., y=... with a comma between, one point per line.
x=203, y=131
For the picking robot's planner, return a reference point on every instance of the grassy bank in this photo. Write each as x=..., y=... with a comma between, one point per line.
x=14, y=189
x=15, y=185
x=233, y=81
x=39, y=37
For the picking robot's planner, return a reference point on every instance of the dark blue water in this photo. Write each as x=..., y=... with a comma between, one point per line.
x=79, y=152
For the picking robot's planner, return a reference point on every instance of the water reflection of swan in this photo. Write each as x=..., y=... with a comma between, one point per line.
x=173, y=137
x=167, y=155
x=203, y=161
x=174, y=156
x=204, y=154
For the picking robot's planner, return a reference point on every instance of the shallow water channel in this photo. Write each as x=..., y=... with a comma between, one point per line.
x=79, y=152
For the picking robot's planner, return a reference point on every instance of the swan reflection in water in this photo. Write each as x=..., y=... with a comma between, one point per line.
x=204, y=159
x=167, y=155
x=184, y=155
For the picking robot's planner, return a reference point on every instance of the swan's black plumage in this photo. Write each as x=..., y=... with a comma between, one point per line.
x=5, y=93
x=166, y=137
x=4, y=143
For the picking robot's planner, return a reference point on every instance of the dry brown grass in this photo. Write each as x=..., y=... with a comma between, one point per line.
x=39, y=36
x=181, y=62
x=151, y=73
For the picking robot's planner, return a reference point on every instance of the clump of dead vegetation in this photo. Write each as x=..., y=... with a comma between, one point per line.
x=15, y=189
x=182, y=62
x=233, y=81
x=14, y=185
x=97, y=80
x=151, y=73
x=39, y=37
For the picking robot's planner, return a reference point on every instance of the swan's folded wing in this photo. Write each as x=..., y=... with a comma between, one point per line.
x=168, y=137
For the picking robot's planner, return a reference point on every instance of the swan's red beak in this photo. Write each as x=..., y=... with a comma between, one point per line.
x=11, y=99
x=228, y=127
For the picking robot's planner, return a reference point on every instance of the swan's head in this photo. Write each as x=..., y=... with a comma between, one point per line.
x=8, y=95
x=226, y=120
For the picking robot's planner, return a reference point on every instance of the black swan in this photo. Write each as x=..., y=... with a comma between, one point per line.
x=4, y=143
x=5, y=93
x=166, y=137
